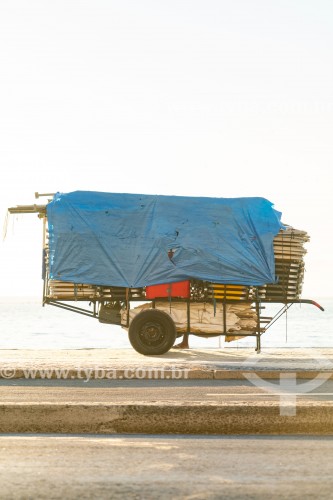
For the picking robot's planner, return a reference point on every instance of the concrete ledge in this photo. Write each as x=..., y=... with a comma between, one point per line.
x=164, y=419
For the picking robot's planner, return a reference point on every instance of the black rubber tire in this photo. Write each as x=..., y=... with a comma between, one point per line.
x=152, y=332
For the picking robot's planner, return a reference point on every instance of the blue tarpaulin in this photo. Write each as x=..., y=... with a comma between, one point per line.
x=134, y=240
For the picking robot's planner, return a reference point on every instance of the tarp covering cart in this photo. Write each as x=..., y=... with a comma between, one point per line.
x=161, y=266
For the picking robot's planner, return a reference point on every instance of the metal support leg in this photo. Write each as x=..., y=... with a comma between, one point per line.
x=258, y=343
x=258, y=336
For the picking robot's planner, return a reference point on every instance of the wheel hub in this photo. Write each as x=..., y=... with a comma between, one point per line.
x=151, y=332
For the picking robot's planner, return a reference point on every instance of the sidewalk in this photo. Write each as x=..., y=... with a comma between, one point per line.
x=227, y=363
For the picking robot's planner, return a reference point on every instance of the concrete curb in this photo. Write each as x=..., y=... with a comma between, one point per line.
x=92, y=418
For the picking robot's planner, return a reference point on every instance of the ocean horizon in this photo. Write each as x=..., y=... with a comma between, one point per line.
x=26, y=324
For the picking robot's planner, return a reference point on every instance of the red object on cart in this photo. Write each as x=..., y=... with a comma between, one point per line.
x=178, y=289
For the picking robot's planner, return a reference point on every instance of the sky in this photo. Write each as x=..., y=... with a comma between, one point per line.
x=196, y=98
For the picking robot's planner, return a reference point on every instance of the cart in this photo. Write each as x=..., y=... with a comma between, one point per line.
x=161, y=267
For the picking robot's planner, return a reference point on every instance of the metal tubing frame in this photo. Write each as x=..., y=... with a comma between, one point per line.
x=257, y=301
x=68, y=307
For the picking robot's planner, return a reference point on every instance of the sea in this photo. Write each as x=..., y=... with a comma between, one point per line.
x=26, y=324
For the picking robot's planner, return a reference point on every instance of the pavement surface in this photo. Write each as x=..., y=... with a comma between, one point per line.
x=166, y=467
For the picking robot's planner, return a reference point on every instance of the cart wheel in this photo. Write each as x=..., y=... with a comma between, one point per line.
x=152, y=332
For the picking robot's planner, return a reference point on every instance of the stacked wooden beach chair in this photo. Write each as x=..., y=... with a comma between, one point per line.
x=289, y=254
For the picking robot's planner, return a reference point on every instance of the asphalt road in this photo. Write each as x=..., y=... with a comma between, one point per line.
x=166, y=467
x=164, y=391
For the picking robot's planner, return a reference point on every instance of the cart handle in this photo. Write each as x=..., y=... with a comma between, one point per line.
x=313, y=302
